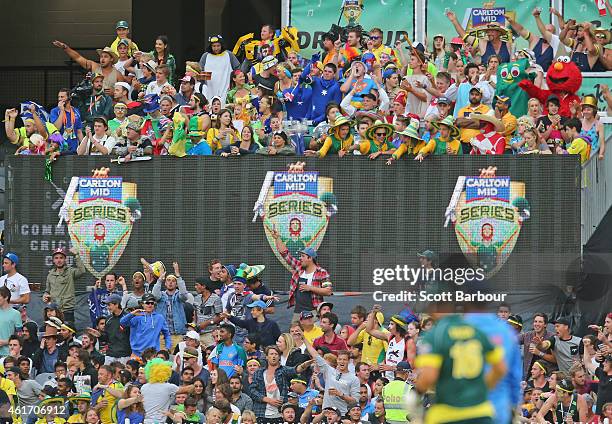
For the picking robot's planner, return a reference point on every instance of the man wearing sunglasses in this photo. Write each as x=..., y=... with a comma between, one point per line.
x=146, y=326
x=378, y=48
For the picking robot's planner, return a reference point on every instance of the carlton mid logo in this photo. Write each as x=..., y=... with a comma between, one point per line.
x=487, y=212
x=100, y=211
x=299, y=205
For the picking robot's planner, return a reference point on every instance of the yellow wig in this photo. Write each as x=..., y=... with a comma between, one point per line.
x=158, y=371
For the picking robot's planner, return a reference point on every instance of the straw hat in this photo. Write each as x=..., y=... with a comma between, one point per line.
x=158, y=268
x=379, y=124
x=449, y=121
x=110, y=51
x=340, y=120
x=604, y=36
x=499, y=126
x=411, y=131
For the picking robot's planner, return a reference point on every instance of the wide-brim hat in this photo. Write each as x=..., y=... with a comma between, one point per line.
x=253, y=271
x=341, y=120
x=379, y=124
x=604, y=36
x=499, y=126
x=449, y=121
x=493, y=26
x=49, y=400
x=110, y=51
x=411, y=131
x=589, y=100
x=86, y=397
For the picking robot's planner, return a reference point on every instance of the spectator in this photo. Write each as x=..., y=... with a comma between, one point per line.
x=208, y=309
x=99, y=104
x=162, y=74
x=446, y=143
x=578, y=144
x=341, y=387
x=10, y=320
x=105, y=395
x=133, y=145
x=229, y=356
x=119, y=348
x=60, y=281
x=280, y=146
x=161, y=55
x=238, y=397
x=531, y=339
x=270, y=387
x=28, y=391
x=171, y=301
x=220, y=63
x=140, y=285
x=309, y=282
x=130, y=406
x=468, y=128
x=67, y=119
x=146, y=326
x=564, y=347
x=564, y=403
x=97, y=143
x=592, y=127
x=502, y=111
x=99, y=296
x=14, y=281
x=32, y=124
x=330, y=339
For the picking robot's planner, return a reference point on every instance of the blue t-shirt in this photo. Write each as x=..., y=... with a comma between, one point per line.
x=227, y=359
x=68, y=129
x=134, y=417
x=306, y=396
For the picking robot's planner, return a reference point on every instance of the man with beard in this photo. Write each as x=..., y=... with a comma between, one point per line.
x=98, y=297
x=60, y=282
x=99, y=104
x=105, y=67
x=469, y=129
x=239, y=398
x=220, y=62
x=31, y=125
x=531, y=339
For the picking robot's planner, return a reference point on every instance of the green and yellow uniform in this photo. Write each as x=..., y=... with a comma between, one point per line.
x=404, y=148
x=437, y=146
x=24, y=140
x=373, y=351
x=333, y=144
x=108, y=414
x=580, y=147
x=367, y=147
x=459, y=351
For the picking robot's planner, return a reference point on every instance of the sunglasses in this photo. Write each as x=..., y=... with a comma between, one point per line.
x=375, y=37
x=148, y=303
x=380, y=134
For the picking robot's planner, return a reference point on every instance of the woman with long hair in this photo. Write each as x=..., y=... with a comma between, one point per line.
x=438, y=51
x=130, y=407
x=223, y=133
x=199, y=394
x=287, y=347
x=93, y=416
x=246, y=145
x=391, y=81
x=240, y=90
x=414, y=329
x=217, y=377
x=30, y=339
x=161, y=54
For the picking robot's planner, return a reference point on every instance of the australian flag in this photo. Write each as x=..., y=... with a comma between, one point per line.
x=40, y=111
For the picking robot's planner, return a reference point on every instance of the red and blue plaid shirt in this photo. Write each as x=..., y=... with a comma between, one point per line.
x=320, y=276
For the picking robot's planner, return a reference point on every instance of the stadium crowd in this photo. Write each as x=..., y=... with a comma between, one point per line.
x=474, y=94
x=162, y=349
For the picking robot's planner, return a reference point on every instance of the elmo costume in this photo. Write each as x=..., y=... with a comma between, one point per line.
x=564, y=79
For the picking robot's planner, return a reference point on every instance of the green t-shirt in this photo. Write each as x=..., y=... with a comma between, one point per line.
x=460, y=352
x=10, y=320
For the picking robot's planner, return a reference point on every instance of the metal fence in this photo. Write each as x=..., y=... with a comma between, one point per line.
x=596, y=192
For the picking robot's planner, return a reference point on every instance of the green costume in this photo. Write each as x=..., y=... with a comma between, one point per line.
x=460, y=352
x=508, y=77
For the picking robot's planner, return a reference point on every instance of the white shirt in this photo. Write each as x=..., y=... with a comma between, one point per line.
x=155, y=88
x=106, y=141
x=17, y=284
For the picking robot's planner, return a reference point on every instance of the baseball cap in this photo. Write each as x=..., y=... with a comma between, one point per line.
x=148, y=297
x=122, y=24
x=208, y=283
x=444, y=100
x=289, y=405
x=516, y=320
x=257, y=304
x=12, y=257
x=403, y=366
x=133, y=126
x=187, y=78
x=306, y=315
x=476, y=88
x=192, y=335
x=332, y=408
x=123, y=84
x=231, y=270
x=429, y=254
x=292, y=395
x=114, y=298
x=331, y=306
x=190, y=352
x=565, y=385
x=310, y=252
x=562, y=320
x=124, y=41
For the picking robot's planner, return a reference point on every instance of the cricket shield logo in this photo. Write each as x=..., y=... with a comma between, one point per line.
x=100, y=212
x=298, y=205
x=488, y=213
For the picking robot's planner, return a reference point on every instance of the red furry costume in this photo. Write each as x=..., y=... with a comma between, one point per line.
x=564, y=79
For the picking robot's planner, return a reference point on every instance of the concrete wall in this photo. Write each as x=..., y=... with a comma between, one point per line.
x=30, y=27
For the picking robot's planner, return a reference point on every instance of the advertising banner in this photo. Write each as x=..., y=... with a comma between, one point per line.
x=518, y=229
x=313, y=18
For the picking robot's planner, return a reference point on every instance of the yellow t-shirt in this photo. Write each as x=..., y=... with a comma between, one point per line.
x=313, y=333
x=373, y=350
x=510, y=124
x=131, y=49
x=9, y=388
x=56, y=420
x=580, y=147
x=108, y=415
x=24, y=140
x=76, y=418
x=466, y=134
